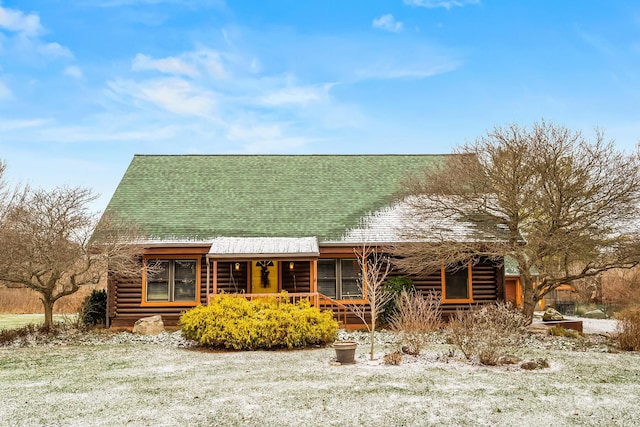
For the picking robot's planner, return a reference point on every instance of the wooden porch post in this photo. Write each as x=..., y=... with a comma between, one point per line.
x=215, y=277
x=208, y=277
x=313, y=279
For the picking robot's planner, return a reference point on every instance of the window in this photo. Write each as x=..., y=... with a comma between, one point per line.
x=171, y=281
x=456, y=284
x=327, y=277
x=338, y=278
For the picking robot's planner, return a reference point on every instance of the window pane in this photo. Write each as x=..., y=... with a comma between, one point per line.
x=350, y=270
x=457, y=284
x=327, y=277
x=158, y=280
x=327, y=287
x=350, y=289
x=326, y=269
x=184, y=288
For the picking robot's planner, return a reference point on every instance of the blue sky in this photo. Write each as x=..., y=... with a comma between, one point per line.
x=85, y=84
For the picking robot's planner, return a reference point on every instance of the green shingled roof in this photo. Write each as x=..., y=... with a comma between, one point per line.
x=512, y=268
x=205, y=196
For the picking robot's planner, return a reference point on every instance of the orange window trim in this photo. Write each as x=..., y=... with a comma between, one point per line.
x=341, y=256
x=443, y=280
x=145, y=303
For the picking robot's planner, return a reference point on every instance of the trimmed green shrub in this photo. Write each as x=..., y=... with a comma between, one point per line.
x=93, y=310
x=265, y=323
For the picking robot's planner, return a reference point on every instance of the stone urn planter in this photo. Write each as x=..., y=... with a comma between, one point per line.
x=345, y=351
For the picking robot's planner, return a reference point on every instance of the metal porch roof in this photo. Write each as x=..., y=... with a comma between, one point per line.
x=264, y=247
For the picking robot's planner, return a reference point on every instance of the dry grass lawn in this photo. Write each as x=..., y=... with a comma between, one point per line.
x=27, y=301
x=123, y=381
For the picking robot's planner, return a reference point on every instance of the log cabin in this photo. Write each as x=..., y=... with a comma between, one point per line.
x=255, y=225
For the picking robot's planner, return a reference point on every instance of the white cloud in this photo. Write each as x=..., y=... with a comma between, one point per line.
x=187, y=64
x=174, y=95
x=83, y=134
x=11, y=125
x=74, y=71
x=19, y=22
x=24, y=35
x=387, y=22
x=210, y=60
x=54, y=49
x=411, y=61
x=5, y=92
x=179, y=96
x=383, y=71
x=301, y=95
x=187, y=3
x=263, y=138
x=447, y=4
x=170, y=65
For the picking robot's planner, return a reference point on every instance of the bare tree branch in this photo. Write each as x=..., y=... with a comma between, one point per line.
x=374, y=269
x=573, y=201
x=48, y=245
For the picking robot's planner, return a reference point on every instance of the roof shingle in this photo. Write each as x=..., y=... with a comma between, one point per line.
x=208, y=196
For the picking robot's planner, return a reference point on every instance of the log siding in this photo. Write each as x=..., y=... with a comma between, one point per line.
x=124, y=294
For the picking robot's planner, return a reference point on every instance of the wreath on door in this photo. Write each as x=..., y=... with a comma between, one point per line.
x=264, y=272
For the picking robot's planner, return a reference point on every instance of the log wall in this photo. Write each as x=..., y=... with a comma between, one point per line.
x=487, y=286
x=230, y=280
x=125, y=293
x=124, y=298
x=298, y=279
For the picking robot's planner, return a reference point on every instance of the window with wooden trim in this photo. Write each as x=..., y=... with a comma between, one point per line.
x=338, y=278
x=457, y=284
x=171, y=281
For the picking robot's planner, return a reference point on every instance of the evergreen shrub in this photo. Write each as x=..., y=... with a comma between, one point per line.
x=93, y=311
x=394, y=285
x=265, y=323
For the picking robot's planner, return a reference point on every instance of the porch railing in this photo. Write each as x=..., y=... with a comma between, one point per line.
x=292, y=297
x=339, y=310
x=316, y=299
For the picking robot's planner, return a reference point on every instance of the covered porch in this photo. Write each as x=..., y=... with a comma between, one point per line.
x=265, y=267
x=262, y=265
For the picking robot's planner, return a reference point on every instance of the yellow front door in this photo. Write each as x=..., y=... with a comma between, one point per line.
x=264, y=277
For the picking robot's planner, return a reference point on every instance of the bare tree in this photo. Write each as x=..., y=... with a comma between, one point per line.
x=562, y=206
x=9, y=196
x=47, y=245
x=374, y=269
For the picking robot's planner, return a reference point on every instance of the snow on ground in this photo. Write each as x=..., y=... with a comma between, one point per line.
x=105, y=379
x=123, y=379
x=589, y=326
x=596, y=326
